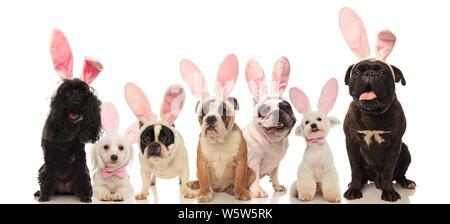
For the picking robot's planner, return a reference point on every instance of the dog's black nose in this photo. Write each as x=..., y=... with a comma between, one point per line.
x=154, y=148
x=114, y=157
x=76, y=103
x=313, y=125
x=211, y=119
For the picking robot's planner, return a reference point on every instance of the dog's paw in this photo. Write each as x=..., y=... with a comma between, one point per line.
x=43, y=198
x=305, y=196
x=390, y=196
x=188, y=194
x=332, y=196
x=243, y=194
x=194, y=185
x=408, y=184
x=117, y=197
x=279, y=187
x=86, y=199
x=106, y=196
x=352, y=194
x=258, y=192
x=141, y=196
x=205, y=197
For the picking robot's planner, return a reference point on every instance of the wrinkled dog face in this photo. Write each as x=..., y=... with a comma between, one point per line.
x=216, y=117
x=157, y=142
x=114, y=151
x=371, y=84
x=275, y=116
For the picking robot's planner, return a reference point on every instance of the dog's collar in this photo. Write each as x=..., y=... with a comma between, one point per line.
x=375, y=59
x=320, y=140
x=119, y=172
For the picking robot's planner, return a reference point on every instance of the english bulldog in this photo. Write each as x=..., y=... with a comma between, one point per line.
x=222, y=150
x=273, y=119
x=375, y=122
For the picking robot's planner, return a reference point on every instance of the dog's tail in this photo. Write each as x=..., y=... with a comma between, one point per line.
x=294, y=189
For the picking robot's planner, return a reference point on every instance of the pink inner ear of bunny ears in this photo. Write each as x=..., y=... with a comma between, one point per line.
x=328, y=96
x=193, y=79
x=255, y=79
x=61, y=54
x=299, y=100
x=138, y=102
x=131, y=134
x=227, y=76
x=172, y=103
x=354, y=32
x=110, y=117
x=385, y=43
x=92, y=67
x=280, y=75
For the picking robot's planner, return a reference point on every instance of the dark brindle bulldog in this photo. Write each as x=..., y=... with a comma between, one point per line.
x=375, y=122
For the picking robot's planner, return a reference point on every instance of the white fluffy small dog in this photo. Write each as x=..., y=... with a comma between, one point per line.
x=110, y=156
x=317, y=167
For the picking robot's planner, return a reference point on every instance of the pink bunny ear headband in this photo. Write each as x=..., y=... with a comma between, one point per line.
x=326, y=101
x=355, y=35
x=172, y=104
x=63, y=59
x=110, y=122
x=256, y=79
x=225, y=81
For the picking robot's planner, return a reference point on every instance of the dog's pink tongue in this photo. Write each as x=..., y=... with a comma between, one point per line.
x=73, y=116
x=368, y=96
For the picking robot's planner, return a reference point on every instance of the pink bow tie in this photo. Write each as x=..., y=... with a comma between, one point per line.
x=320, y=140
x=120, y=172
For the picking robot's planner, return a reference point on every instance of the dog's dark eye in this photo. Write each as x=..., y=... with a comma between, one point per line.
x=319, y=119
x=382, y=72
x=66, y=93
x=106, y=147
x=164, y=140
x=357, y=72
x=307, y=122
x=120, y=148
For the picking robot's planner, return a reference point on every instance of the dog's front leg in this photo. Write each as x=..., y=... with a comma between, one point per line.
x=275, y=182
x=102, y=193
x=146, y=181
x=205, y=194
x=257, y=190
x=47, y=184
x=82, y=181
x=123, y=192
x=330, y=186
x=184, y=177
x=354, y=188
x=240, y=180
x=388, y=192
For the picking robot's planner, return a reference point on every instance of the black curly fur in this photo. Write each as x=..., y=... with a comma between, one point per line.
x=63, y=139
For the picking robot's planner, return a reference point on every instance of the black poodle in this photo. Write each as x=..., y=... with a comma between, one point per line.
x=74, y=120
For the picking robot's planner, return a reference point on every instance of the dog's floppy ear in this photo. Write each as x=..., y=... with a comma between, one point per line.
x=172, y=103
x=110, y=118
x=61, y=54
x=256, y=80
x=328, y=96
x=333, y=121
x=348, y=75
x=193, y=79
x=234, y=102
x=299, y=130
x=129, y=162
x=398, y=75
x=92, y=67
x=280, y=76
x=139, y=104
x=131, y=134
x=227, y=76
x=385, y=43
x=94, y=156
x=354, y=32
x=299, y=100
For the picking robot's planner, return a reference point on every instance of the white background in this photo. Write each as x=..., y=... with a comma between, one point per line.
x=144, y=41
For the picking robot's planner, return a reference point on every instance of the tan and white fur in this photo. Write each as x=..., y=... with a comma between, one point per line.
x=317, y=167
x=156, y=158
x=113, y=152
x=222, y=150
x=267, y=134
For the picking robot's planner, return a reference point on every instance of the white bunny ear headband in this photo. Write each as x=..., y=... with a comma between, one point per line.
x=63, y=59
x=225, y=81
x=256, y=79
x=326, y=101
x=110, y=122
x=355, y=35
x=172, y=104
